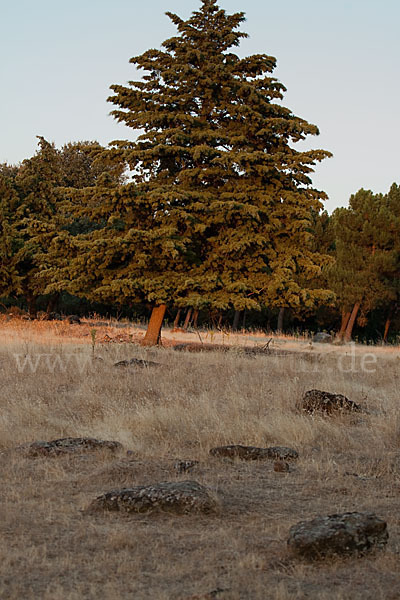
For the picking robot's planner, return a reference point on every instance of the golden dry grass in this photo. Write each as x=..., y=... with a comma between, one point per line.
x=52, y=550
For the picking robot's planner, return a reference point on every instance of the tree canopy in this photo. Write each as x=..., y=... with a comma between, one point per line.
x=218, y=211
x=208, y=206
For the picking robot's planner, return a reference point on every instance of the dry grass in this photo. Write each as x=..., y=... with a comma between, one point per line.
x=192, y=402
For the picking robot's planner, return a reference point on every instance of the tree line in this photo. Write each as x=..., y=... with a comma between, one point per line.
x=210, y=209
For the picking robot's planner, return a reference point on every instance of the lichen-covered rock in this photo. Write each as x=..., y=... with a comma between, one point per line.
x=136, y=362
x=53, y=316
x=324, y=402
x=346, y=533
x=68, y=445
x=253, y=453
x=322, y=338
x=74, y=320
x=183, y=466
x=217, y=593
x=179, y=497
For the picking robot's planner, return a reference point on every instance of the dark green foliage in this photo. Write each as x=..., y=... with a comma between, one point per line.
x=32, y=200
x=367, y=251
x=219, y=212
x=9, y=279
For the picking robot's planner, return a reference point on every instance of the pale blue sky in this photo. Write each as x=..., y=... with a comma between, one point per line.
x=339, y=60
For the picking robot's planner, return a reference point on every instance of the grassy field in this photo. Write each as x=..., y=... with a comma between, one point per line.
x=53, y=386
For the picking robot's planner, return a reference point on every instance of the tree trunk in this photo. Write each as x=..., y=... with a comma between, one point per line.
x=52, y=303
x=236, y=318
x=387, y=326
x=244, y=320
x=31, y=301
x=153, y=333
x=388, y=322
x=178, y=316
x=280, y=320
x=345, y=320
x=187, y=320
x=352, y=320
x=195, y=317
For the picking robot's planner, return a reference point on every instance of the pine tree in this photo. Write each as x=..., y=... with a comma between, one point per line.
x=219, y=210
x=365, y=258
x=390, y=268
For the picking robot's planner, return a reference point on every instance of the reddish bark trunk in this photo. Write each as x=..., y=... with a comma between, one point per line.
x=187, y=320
x=178, y=316
x=195, y=317
x=345, y=321
x=153, y=333
x=352, y=320
x=387, y=326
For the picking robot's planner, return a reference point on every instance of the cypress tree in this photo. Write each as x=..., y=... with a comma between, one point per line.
x=218, y=212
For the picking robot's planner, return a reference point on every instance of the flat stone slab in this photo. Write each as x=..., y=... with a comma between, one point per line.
x=136, y=362
x=68, y=445
x=253, y=453
x=179, y=497
x=315, y=401
x=347, y=533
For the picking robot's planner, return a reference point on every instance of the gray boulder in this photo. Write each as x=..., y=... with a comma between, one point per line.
x=179, y=497
x=347, y=533
x=253, y=453
x=322, y=338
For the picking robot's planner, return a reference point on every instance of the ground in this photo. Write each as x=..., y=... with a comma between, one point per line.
x=54, y=384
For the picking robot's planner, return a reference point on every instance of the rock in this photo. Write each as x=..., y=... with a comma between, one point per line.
x=325, y=402
x=183, y=466
x=74, y=320
x=253, y=453
x=346, y=533
x=65, y=388
x=53, y=316
x=179, y=497
x=136, y=362
x=68, y=446
x=209, y=595
x=322, y=338
x=280, y=466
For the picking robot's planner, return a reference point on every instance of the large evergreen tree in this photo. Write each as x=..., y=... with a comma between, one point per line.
x=219, y=209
